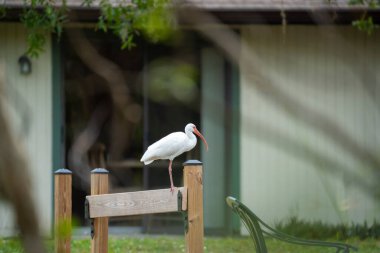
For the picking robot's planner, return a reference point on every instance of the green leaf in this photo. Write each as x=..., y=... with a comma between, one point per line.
x=3, y=12
x=356, y=2
x=365, y=25
x=87, y=3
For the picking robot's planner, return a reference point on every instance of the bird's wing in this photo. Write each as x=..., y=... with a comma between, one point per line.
x=165, y=147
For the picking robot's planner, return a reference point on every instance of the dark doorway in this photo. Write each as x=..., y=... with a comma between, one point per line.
x=163, y=89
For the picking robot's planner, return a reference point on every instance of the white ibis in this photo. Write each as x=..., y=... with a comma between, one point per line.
x=171, y=146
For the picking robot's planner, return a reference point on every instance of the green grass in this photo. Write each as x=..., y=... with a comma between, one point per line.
x=177, y=244
x=320, y=230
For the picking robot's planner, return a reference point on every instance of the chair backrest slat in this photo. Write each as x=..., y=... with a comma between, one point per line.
x=252, y=226
x=255, y=231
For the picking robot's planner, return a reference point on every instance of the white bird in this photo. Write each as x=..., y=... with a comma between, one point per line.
x=171, y=146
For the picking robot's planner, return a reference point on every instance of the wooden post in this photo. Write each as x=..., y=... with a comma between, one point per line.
x=99, y=185
x=194, y=183
x=62, y=210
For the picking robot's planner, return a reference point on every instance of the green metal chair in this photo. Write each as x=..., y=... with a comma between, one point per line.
x=258, y=229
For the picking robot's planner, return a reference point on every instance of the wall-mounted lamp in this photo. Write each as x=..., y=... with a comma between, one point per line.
x=25, y=65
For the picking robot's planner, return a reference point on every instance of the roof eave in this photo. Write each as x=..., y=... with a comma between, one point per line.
x=239, y=15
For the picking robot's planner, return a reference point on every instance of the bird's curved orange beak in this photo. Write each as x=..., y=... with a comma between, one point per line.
x=201, y=136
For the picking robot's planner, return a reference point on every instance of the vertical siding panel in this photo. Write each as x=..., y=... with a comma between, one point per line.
x=212, y=64
x=33, y=94
x=318, y=67
x=6, y=211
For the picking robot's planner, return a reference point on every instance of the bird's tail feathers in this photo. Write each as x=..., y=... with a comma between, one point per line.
x=147, y=158
x=147, y=162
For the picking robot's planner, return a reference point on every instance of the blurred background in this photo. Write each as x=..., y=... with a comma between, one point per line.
x=286, y=93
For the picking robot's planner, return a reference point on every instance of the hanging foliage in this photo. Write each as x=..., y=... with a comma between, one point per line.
x=126, y=19
x=365, y=23
x=41, y=18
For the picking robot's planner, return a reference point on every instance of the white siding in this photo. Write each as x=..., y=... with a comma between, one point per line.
x=31, y=95
x=326, y=69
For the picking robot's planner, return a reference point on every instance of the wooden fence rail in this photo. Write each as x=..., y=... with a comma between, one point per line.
x=136, y=203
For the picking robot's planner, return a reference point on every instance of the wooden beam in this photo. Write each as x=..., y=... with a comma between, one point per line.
x=135, y=203
x=192, y=178
x=99, y=185
x=62, y=210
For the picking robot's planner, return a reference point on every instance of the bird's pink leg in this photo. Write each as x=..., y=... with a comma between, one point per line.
x=171, y=177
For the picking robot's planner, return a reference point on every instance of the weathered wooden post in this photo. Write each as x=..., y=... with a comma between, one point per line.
x=193, y=181
x=62, y=210
x=99, y=233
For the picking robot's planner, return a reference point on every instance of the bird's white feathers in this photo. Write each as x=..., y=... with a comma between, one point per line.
x=169, y=147
x=172, y=146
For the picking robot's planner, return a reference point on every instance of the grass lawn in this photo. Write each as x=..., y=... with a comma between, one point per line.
x=176, y=244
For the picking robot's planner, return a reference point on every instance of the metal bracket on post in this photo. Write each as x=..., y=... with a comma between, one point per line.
x=92, y=228
x=86, y=209
x=87, y=216
x=184, y=213
x=185, y=221
x=179, y=198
